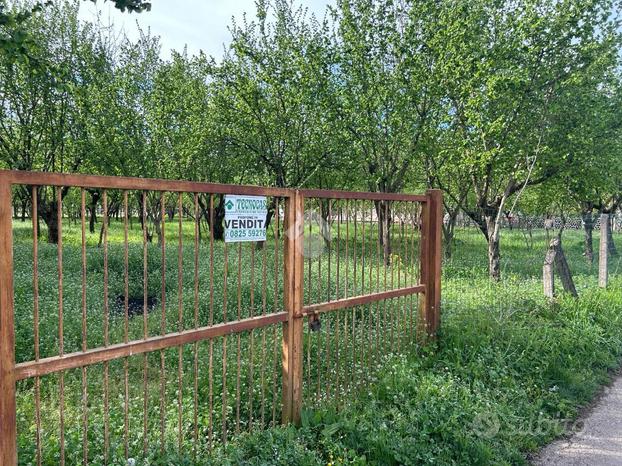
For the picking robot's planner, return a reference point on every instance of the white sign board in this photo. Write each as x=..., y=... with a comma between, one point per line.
x=245, y=218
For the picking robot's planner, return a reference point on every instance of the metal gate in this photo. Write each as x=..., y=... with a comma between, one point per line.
x=151, y=338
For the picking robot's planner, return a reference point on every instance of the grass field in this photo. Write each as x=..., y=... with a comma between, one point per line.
x=509, y=371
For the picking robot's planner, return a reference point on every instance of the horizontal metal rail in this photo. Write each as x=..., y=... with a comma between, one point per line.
x=370, y=196
x=361, y=300
x=136, y=184
x=79, y=180
x=108, y=353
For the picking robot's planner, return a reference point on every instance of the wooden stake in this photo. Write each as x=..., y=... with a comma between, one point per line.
x=555, y=255
x=603, y=252
x=548, y=274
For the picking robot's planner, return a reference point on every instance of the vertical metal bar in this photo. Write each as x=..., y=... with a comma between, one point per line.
x=413, y=256
x=35, y=287
x=318, y=359
x=391, y=222
x=378, y=259
x=384, y=235
x=309, y=271
x=363, y=250
x=327, y=376
x=328, y=288
x=348, y=366
x=252, y=342
x=224, y=349
x=275, y=229
x=263, y=332
x=180, y=323
x=354, y=247
x=308, y=362
x=196, y=325
x=361, y=323
x=318, y=364
x=275, y=339
x=309, y=241
x=355, y=292
x=397, y=307
x=371, y=251
x=319, y=263
x=145, y=329
x=85, y=442
x=239, y=348
x=405, y=263
x=210, y=431
x=337, y=324
x=106, y=330
x=337, y=357
x=163, y=322
x=338, y=250
x=370, y=286
x=330, y=249
x=354, y=353
x=369, y=316
x=126, y=328
x=8, y=435
x=61, y=337
x=345, y=287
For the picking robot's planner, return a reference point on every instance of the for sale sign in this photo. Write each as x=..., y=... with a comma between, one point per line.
x=245, y=218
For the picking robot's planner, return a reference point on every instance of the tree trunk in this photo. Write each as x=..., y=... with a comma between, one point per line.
x=144, y=218
x=155, y=215
x=494, y=249
x=50, y=216
x=271, y=212
x=449, y=225
x=325, y=221
x=218, y=217
x=24, y=209
x=101, y=236
x=588, y=228
x=383, y=211
x=509, y=219
x=93, y=210
x=494, y=259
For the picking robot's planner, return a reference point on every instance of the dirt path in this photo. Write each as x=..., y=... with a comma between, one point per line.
x=600, y=440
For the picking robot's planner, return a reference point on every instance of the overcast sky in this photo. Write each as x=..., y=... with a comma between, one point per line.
x=199, y=24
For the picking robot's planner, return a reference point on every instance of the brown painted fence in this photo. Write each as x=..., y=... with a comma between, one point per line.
x=127, y=349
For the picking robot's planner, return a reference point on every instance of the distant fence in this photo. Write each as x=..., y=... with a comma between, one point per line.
x=101, y=375
x=540, y=222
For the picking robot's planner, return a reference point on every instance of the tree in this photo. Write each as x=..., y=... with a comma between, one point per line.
x=15, y=42
x=269, y=94
x=43, y=110
x=386, y=95
x=592, y=124
x=505, y=67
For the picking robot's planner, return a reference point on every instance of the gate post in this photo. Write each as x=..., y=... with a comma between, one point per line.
x=292, y=291
x=8, y=436
x=430, y=272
